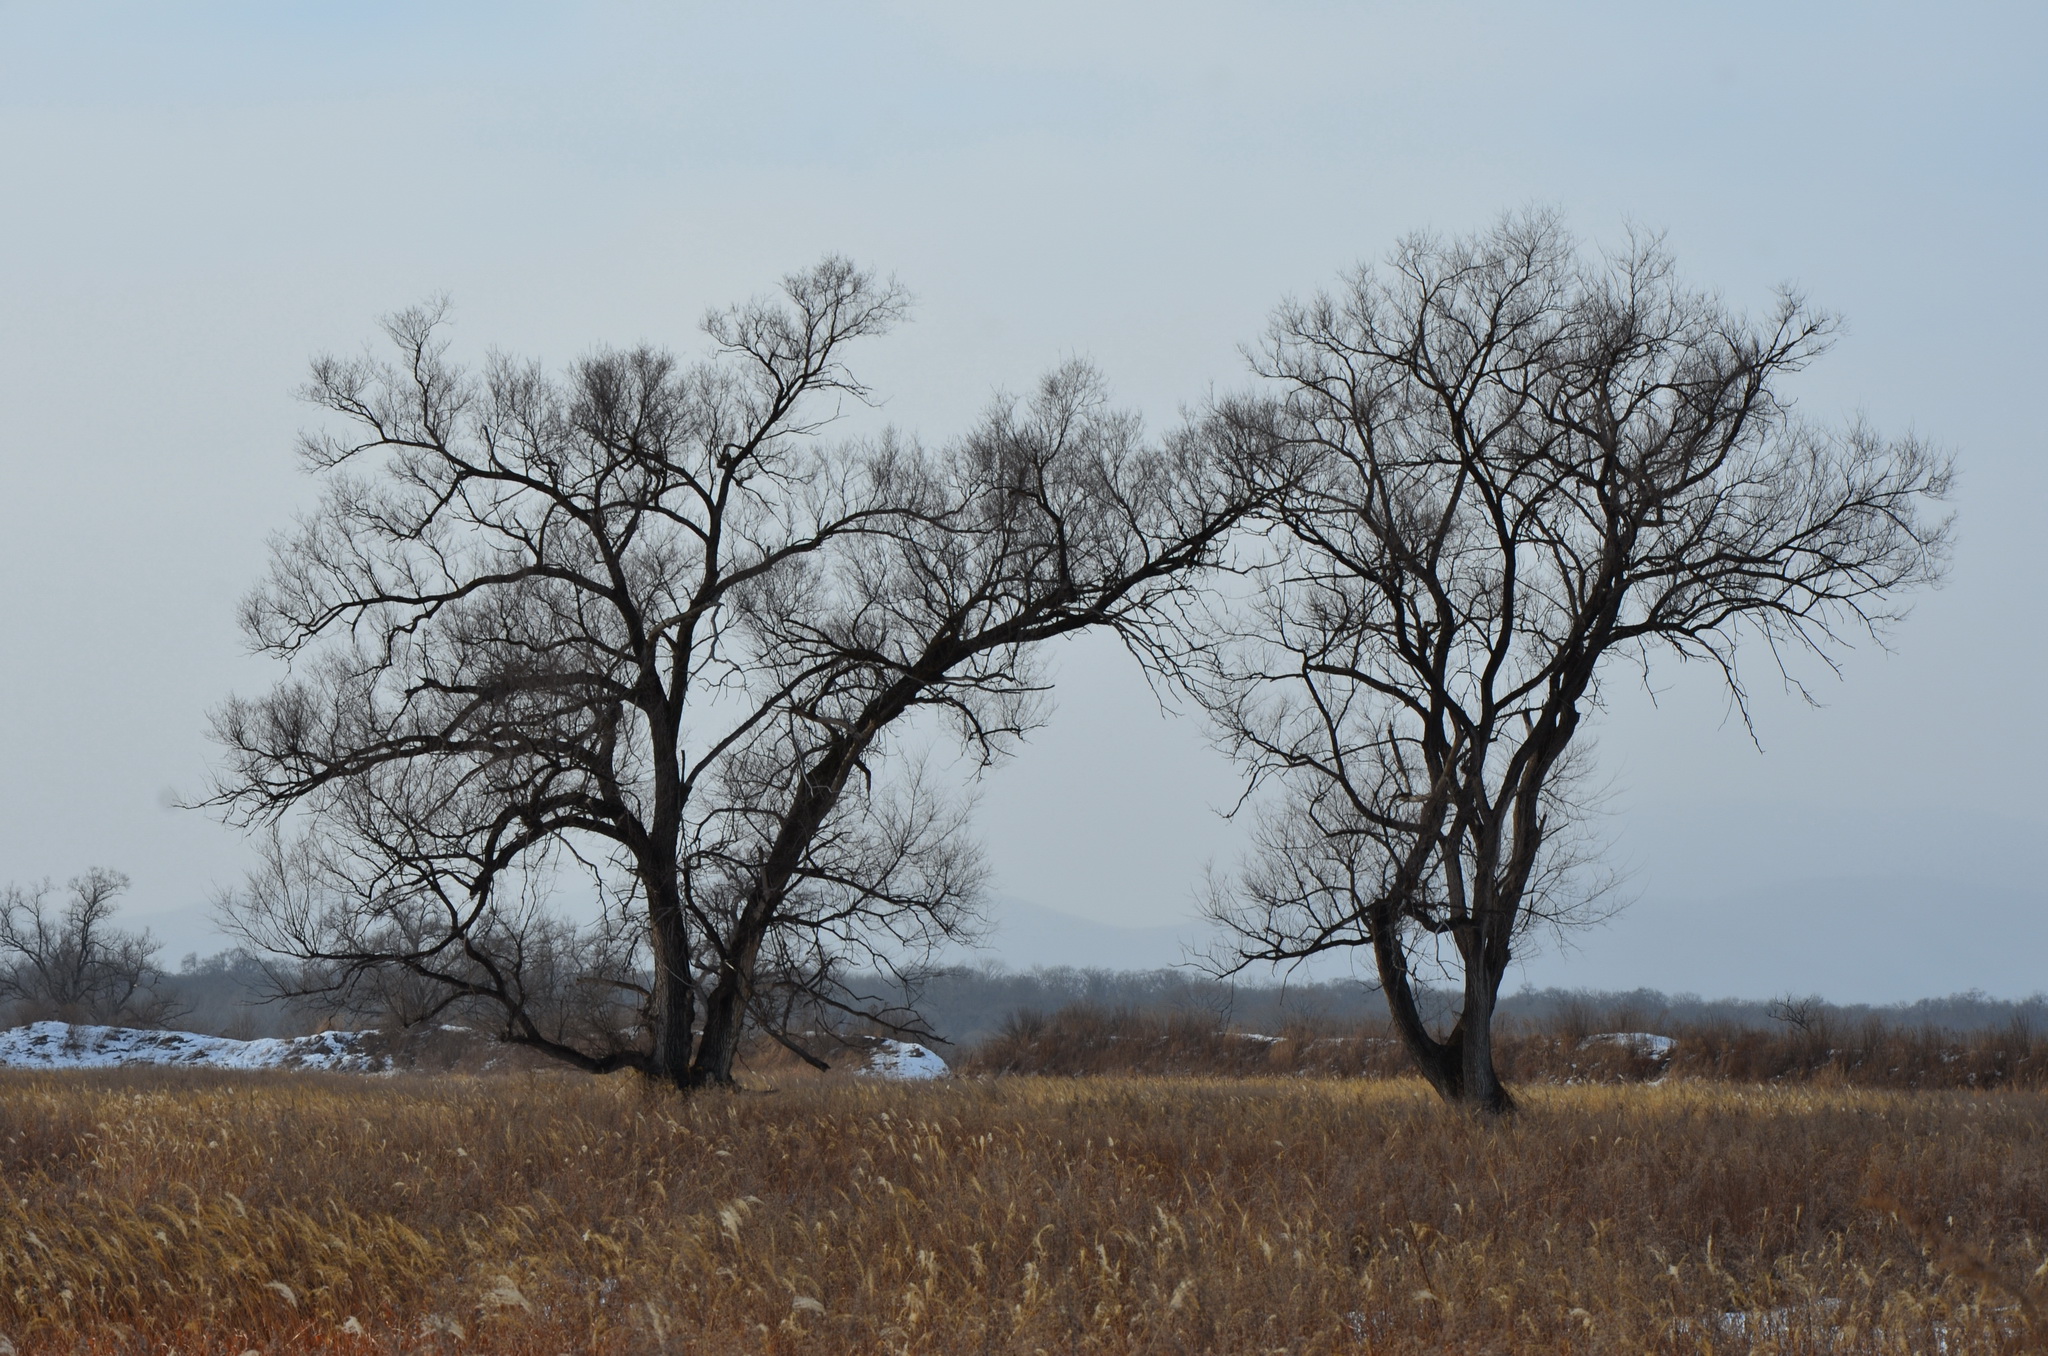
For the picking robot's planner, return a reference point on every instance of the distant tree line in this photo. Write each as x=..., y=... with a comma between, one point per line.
x=235, y=993
x=967, y=1004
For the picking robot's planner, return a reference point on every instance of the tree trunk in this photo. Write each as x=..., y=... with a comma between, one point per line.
x=1480, y=1084
x=725, y=1007
x=674, y=1009
x=725, y=1011
x=1460, y=1066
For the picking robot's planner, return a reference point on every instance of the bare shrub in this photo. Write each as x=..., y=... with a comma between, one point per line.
x=1580, y=1043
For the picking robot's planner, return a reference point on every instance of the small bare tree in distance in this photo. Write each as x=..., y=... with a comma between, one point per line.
x=1513, y=464
x=70, y=963
x=642, y=626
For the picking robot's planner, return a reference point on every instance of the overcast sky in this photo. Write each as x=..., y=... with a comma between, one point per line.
x=194, y=199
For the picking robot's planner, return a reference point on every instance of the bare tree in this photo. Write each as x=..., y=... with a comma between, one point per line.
x=1807, y=1014
x=642, y=627
x=1514, y=464
x=71, y=963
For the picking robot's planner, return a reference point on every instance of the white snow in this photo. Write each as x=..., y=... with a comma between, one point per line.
x=61, y=1045
x=903, y=1059
x=1641, y=1042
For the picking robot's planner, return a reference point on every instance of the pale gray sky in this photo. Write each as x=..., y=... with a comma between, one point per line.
x=195, y=198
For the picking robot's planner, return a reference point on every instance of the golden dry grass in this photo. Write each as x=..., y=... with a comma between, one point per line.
x=555, y=1213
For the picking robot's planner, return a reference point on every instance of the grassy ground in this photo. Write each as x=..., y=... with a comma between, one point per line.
x=554, y=1213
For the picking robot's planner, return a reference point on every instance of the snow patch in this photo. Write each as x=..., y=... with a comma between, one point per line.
x=903, y=1059
x=62, y=1045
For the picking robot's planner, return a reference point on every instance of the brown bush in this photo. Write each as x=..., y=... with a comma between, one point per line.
x=1084, y=1039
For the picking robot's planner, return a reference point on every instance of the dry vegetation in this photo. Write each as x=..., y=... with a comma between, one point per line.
x=1084, y=1039
x=554, y=1213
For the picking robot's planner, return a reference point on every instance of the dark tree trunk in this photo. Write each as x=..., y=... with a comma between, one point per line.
x=725, y=1011
x=1460, y=1066
x=725, y=1007
x=1480, y=1084
x=674, y=1009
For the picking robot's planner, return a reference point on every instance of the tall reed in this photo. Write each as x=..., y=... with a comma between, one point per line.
x=552, y=1213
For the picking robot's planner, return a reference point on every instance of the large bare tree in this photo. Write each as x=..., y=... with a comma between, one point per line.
x=642, y=627
x=1515, y=464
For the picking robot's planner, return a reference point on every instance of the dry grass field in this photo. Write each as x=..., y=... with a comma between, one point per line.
x=546, y=1213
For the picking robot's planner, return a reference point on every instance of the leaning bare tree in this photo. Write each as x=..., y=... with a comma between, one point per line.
x=642, y=627
x=1515, y=463
x=71, y=962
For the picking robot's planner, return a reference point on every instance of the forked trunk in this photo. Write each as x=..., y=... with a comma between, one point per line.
x=1460, y=1066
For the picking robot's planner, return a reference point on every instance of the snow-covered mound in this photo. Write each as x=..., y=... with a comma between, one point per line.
x=61, y=1045
x=1644, y=1043
x=903, y=1059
